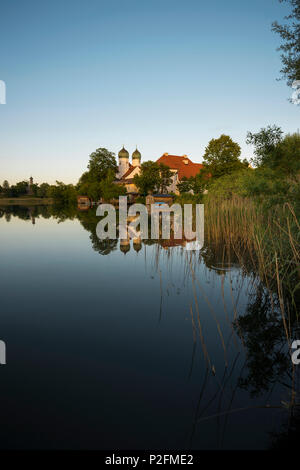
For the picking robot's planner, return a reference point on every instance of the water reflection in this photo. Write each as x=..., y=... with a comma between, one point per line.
x=239, y=368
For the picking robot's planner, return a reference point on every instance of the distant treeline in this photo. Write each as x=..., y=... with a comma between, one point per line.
x=273, y=178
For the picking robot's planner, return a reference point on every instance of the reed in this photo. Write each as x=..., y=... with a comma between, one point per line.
x=266, y=242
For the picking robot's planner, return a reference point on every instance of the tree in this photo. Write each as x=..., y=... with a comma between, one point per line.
x=149, y=179
x=222, y=156
x=42, y=190
x=101, y=161
x=19, y=189
x=290, y=48
x=286, y=159
x=265, y=142
x=201, y=181
x=185, y=185
x=5, y=188
x=63, y=194
x=165, y=177
x=110, y=190
x=196, y=184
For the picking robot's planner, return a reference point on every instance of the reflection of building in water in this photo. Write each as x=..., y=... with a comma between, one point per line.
x=31, y=215
x=165, y=243
x=124, y=245
x=137, y=244
x=84, y=203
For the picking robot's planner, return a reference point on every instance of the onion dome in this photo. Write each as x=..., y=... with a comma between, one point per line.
x=123, y=153
x=124, y=246
x=137, y=245
x=136, y=154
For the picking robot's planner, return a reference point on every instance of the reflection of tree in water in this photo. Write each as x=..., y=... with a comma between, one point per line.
x=103, y=247
x=89, y=221
x=220, y=257
x=26, y=213
x=63, y=212
x=260, y=327
x=265, y=340
x=267, y=360
x=262, y=331
x=288, y=436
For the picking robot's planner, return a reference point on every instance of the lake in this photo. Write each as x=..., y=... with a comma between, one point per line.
x=133, y=346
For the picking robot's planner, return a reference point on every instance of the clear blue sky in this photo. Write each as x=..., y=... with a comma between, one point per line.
x=166, y=75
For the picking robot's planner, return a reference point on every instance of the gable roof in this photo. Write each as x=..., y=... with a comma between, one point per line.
x=130, y=170
x=176, y=162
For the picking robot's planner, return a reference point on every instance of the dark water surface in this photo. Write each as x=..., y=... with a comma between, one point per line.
x=108, y=349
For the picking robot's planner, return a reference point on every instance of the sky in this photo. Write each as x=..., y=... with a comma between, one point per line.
x=165, y=75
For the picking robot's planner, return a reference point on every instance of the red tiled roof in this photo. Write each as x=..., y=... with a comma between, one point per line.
x=130, y=169
x=175, y=162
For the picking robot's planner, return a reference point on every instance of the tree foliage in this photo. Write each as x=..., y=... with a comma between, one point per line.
x=152, y=178
x=100, y=163
x=101, y=171
x=272, y=150
x=108, y=189
x=264, y=142
x=290, y=34
x=165, y=178
x=195, y=184
x=63, y=194
x=286, y=157
x=221, y=156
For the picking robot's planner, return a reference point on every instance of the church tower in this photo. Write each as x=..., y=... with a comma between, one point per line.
x=136, y=158
x=123, y=162
x=29, y=188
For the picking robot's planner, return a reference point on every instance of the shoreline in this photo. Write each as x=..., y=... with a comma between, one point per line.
x=19, y=201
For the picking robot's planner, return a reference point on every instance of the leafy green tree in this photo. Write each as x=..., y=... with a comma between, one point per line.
x=185, y=185
x=165, y=178
x=265, y=185
x=286, y=157
x=290, y=34
x=5, y=188
x=229, y=185
x=101, y=161
x=221, y=156
x=19, y=189
x=110, y=190
x=197, y=184
x=63, y=194
x=90, y=189
x=34, y=189
x=42, y=190
x=149, y=179
x=201, y=181
x=265, y=142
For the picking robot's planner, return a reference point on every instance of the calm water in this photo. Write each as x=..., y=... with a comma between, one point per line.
x=140, y=348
